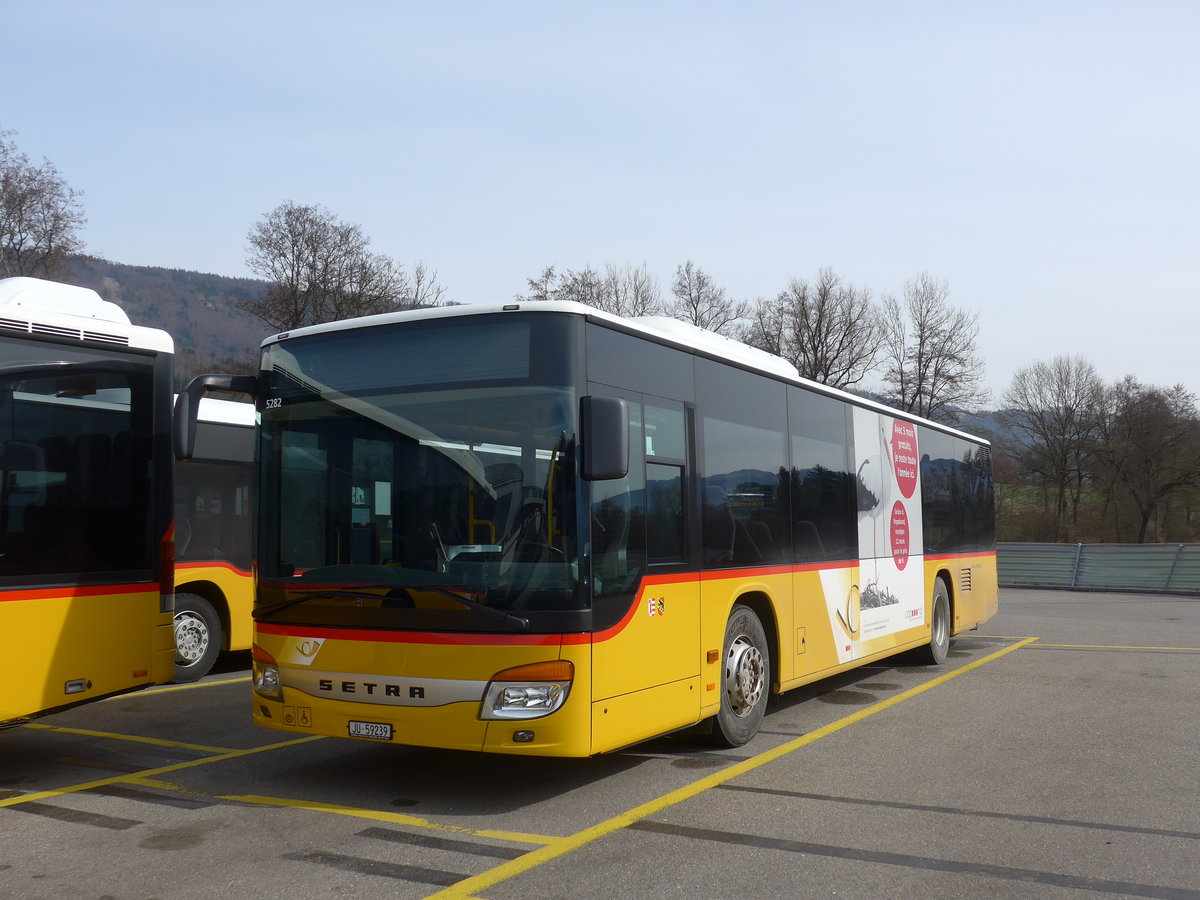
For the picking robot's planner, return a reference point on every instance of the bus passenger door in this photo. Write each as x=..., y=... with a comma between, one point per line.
x=645, y=654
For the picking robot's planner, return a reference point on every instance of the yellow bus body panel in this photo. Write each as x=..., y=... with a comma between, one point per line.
x=656, y=671
x=233, y=587
x=620, y=721
x=973, y=590
x=646, y=669
x=69, y=645
x=454, y=726
x=813, y=639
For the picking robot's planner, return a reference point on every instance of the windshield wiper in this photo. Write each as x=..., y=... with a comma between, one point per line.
x=520, y=623
x=259, y=611
x=499, y=615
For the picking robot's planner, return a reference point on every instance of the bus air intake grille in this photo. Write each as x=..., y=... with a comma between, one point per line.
x=14, y=325
x=105, y=338
x=964, y=580
x=59, y=331
x=55, y=330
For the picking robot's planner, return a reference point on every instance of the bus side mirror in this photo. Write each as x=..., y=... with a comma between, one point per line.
x=187, y=407
x=604, y=427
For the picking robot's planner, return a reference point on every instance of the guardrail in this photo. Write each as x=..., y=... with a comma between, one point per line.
x=1157, y=568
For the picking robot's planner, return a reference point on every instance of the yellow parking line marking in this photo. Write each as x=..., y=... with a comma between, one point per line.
x=469, y=886
x=155, y=783
x=971, y=635
x=150, y=773
x=131, y=738
x=394, y=818
x=1042, y=646
x=167, y=689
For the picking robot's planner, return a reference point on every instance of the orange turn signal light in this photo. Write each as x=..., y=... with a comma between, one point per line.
x=553, y=670
x=258, y=654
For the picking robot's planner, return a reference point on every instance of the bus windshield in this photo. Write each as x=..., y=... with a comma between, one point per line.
x=413, y=478
x=75, y=428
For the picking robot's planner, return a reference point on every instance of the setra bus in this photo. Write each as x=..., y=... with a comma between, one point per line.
x=536, y=528
x=214, y=584
x=85, y=500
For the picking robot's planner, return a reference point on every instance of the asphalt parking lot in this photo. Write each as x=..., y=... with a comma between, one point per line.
x=1054, y=755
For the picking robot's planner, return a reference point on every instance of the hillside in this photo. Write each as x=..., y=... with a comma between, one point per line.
x=211, y=334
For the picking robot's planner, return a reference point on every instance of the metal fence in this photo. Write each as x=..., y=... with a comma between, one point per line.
x=1160, y=568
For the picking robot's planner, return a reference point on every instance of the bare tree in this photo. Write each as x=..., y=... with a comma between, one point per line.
x=541, y=287
x=632, y=291
x=628, y=291
x=933, y=368
x=40, y=214
x=584, y=286
x=768, y=327
x=321, y=269
x=426, y=289
x=830, y=331
x=1151, y=446
x=1054, y=411
x=700, y=301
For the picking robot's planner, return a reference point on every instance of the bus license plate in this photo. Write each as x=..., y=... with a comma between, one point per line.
x=378, y=731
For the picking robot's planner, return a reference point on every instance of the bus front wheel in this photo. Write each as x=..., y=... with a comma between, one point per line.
x=744, y=679
x=939, y=626
x=198, y=637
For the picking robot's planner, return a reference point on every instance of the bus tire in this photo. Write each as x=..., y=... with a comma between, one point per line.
x=198, y=637
x=745, y=672
x=934, y=654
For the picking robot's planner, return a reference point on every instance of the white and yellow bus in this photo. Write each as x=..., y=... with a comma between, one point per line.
x=214, y=584
x=536, y=528
x=85, y=500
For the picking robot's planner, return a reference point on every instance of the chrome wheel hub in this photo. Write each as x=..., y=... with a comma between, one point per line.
x=191, y=638
x=745, y=676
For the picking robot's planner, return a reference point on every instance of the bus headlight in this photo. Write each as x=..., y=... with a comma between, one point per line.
x=265, y=674
x=528, y=692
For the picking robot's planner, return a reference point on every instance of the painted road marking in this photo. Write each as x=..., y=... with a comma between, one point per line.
x=139, y=777
x=394, y=818
x=130, y=738
x=171, y=688
x=468, y=887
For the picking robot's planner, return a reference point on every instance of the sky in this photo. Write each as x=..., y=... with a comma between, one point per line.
x=1041, y=158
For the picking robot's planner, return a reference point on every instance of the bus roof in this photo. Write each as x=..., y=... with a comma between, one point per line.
x=37, y=306
x=660, y=328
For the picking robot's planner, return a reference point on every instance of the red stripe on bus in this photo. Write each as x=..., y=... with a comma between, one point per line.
x=573, y=638
x=106, y=590
x=683, y=577
x=412, y=637
x=971, y=554
x=188, y=566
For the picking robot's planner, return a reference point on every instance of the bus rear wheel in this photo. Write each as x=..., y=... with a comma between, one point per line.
x=198, y=637
x=939, y=626
x=744, y=679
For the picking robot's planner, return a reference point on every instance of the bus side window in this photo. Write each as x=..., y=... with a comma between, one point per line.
x=664, y=513
x=666, y=453
x=823, y=485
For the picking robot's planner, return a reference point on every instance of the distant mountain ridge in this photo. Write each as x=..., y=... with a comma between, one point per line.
x=197, y=309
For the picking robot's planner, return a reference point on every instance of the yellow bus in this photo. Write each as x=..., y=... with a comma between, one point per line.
x=535, y=528
x=85, y=500
x=214, y=584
